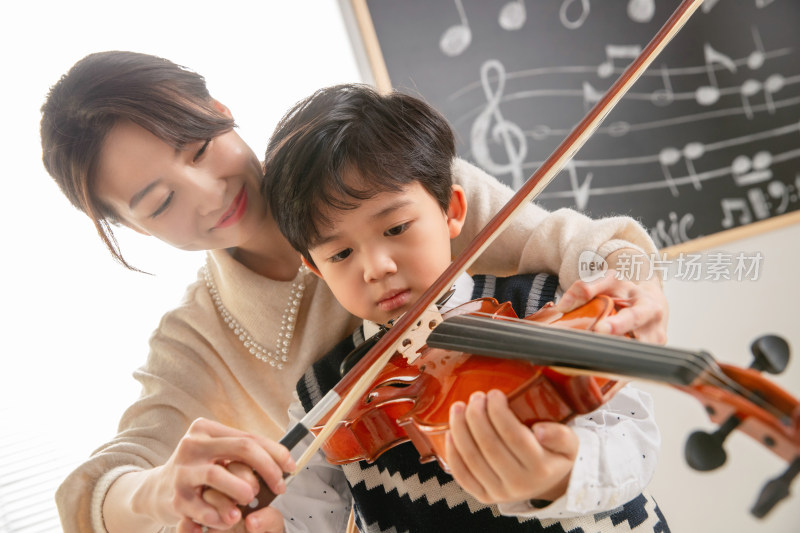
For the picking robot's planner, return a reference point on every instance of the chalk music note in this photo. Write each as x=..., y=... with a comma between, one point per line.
x=748, y=171
x=540, y=132
x=664, y=96
x=760, y=4
x=773, y=84
x=618, y=128
x=617, y=51
x=778, y=190
x=579, y=190
x=590, y=95
x=756, y=58
x=572, y=24
x=668, y=157
x=509, y=134
x=709, y=94
x=456, y=38
x=512, y=16
x=692, y=152
x=731, y=206
x=749, y=89
x=759, y=203
x=641, y=10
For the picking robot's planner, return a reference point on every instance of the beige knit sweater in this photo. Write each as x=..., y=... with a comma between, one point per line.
x=197, y=367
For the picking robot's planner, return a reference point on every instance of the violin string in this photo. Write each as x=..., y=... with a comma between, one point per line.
x=702, y=365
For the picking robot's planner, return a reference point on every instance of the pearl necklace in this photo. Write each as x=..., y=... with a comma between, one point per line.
x=275, y=357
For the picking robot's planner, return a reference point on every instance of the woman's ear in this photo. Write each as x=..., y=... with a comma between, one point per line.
x=456, y=211
x=222, y=108
x=311, y=266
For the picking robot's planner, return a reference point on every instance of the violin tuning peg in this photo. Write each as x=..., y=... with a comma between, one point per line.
x=775, y=490
x=704, y=450
x=770, y=354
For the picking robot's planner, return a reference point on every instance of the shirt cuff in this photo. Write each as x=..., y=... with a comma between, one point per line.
x=585, y=493
x=100, y=491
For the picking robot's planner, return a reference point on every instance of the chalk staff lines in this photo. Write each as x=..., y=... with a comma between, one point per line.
x=691, y=178
x=589, y=97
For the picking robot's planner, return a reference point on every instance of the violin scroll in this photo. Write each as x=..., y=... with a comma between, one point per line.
x=743, y=399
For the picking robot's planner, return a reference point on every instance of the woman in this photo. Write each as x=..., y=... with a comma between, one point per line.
x=136, y=140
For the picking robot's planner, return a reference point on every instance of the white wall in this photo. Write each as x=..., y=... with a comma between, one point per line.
x=76, y=324
x=723, y=318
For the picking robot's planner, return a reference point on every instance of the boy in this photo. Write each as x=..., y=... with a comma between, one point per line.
x=360, y=185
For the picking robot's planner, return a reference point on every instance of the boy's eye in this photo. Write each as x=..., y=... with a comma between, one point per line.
x=201, y=151
x=163, y=206
x=341, y=256
x=396, y=230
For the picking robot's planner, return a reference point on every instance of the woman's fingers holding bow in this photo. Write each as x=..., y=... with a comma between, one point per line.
x=213, y=470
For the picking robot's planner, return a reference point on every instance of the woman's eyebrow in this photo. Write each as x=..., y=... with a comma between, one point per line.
x=141, y=194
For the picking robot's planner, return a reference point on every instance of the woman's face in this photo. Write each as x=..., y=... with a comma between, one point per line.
x=206, y=196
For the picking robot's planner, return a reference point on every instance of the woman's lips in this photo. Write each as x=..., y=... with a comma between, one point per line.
x=394, y=300
x=235, y=212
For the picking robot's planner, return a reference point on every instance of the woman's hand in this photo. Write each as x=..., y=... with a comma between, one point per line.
x=498, y=459
x=265, y=520
x=203, y=481
x=646, y=310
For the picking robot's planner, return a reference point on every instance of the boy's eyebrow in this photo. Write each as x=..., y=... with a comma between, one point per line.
x=141, y=194
x=394, y=206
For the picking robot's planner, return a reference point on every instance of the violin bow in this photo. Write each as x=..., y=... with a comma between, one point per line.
x=413, y=326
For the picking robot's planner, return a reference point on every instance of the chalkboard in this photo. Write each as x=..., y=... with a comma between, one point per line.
x=706, y=143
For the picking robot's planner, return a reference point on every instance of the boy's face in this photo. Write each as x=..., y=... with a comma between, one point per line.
x=379, y=258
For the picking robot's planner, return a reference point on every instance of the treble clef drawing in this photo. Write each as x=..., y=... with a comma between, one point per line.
x=502, y=131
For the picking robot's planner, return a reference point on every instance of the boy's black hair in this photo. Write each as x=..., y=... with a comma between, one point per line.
x=386, y=141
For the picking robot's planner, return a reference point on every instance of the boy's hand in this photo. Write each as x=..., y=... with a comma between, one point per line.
x=497, y=459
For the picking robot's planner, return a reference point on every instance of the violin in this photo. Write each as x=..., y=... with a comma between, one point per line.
x=411, y=397
x=552, y=367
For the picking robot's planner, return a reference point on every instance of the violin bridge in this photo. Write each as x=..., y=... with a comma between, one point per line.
x=415, y=338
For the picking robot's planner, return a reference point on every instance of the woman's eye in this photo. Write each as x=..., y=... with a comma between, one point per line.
x=201, y=151
x=341, y=256
x=163, y=206
x=397, y=230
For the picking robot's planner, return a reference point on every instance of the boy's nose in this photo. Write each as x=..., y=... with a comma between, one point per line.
x=378, y=264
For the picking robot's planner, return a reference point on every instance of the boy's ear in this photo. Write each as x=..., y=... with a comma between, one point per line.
x=457, y=211
x=311, y=267
x=222, y=108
